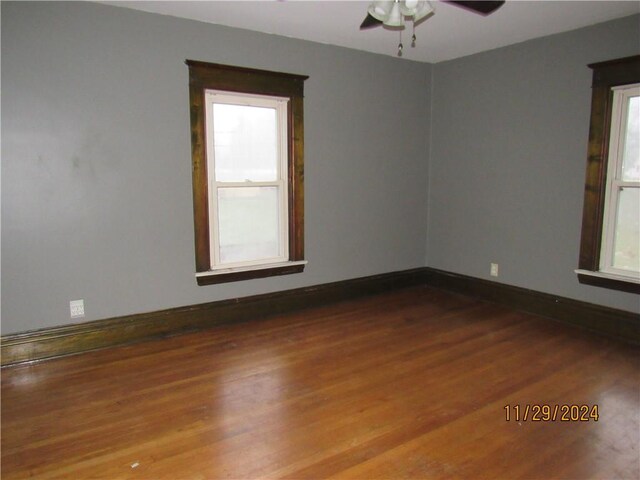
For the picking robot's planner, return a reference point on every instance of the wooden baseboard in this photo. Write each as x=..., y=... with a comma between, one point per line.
x=71, y=339
x=618, y=324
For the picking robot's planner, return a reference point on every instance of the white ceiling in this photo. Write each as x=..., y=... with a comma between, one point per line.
x=451, y=33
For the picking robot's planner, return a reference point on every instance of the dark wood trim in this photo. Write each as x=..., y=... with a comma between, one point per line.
x=605, y=76
x=595, y=186
x=246, y=275
x=296, y=179
x=619, y=71
x=72, y=339
x=245, y=80
x=199, y=178
x=204, y=76
x=610, y=322
x=611, y=283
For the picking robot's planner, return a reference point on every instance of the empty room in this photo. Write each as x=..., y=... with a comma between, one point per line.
x=320, y=239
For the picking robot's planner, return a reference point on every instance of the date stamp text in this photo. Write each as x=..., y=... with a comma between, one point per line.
x=551, y=413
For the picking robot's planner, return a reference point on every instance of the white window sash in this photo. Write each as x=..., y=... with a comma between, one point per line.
x=615, y=184
x=280, y=105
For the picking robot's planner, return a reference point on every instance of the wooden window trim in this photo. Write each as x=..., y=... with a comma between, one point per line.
x=606, y=75
x=203, y=76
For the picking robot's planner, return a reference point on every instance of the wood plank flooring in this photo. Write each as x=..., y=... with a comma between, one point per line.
x=409, y=384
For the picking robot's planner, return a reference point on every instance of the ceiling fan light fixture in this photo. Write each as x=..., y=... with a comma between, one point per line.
x=408, y=8
x=395, y=18
x=423, y=9
x=393, y=13
x=380, y=10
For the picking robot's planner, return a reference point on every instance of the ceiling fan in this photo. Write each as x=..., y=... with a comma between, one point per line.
x=392, y=13
x=382, y=12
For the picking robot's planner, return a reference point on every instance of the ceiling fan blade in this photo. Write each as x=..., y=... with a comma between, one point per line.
x=480, y=7
x=369, y=22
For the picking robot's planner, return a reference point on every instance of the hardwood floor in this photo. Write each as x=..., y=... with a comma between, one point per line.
x=410, y=384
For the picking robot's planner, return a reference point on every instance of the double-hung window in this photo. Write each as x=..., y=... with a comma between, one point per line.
x=610, y=245
x=620, y=253
x=247, y=149
x=247, y=170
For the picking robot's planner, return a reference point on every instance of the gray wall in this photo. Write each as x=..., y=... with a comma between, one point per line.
x=508, y=157
x=96, y=174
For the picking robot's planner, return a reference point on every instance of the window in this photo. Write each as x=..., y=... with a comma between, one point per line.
x=610, y=245
x=621, y=235
x=247, y=160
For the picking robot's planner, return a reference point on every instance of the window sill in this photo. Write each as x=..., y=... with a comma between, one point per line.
x=609, y=280
x=246, y=273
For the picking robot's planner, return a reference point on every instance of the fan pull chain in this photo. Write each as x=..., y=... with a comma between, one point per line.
x=413, y=37
x=400, y=47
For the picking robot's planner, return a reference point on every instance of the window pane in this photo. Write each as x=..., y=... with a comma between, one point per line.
x=631, y=159
x=627, y=237
x=245, y=143
x=248, y=223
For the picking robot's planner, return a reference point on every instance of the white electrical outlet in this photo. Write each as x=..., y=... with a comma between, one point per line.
x=494, y=270
x=77, y=308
